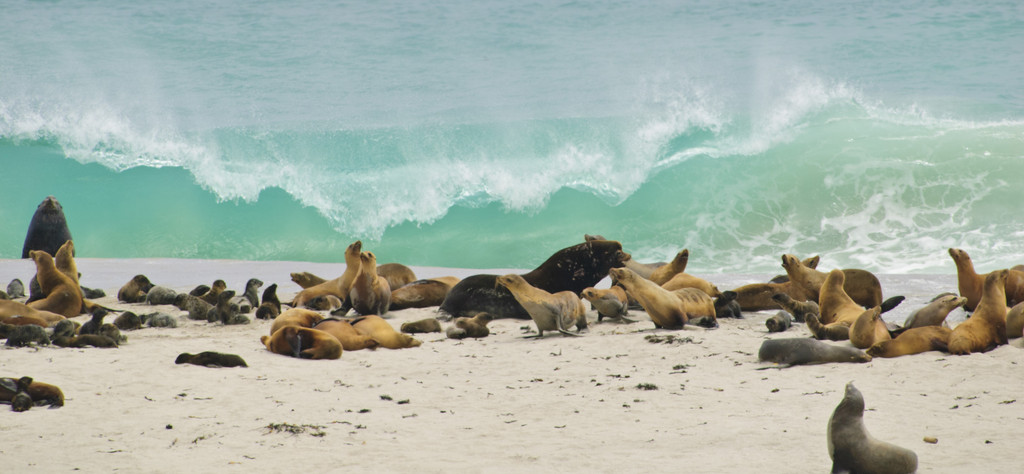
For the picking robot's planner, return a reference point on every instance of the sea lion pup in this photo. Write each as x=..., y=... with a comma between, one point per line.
x=158, y=295
x=550, y=312
x=340, y=286
x=869, y=329
x=296, y=317
x=306, y=279
x=323, y=303
x=665, y=273
x=986, y=328
x=370, y=292
x=913, y=341
x=27, y=335
x=92, y=326
x=111, y=331
x=422, y=293
x=806, y=351
x=86, y=340
x=198, y=309
x=65, y=328
x=382, y=332
x=810, y=262
x=61, y=294
x=685, y=280
x=251, y=293
x=934, y=313
x=135, y=290
x=699, y=307
x=211, y=359
x=214, y=292
x=664, y=307
x=128, y=321
x=159, y=320
x=303, y=343
x=16, y=289
x=780, y=322
x=1015, y=321
x=799, y=309
x=570, y=269
x=611, y=303
x=226, y=311
x=15, y=392
x=396, y=274
x=47, y=230
x=853, y=449
x=837, y=310
x=271, y=306
x=348, y=336
x=475, y=327
x=971, y=284
x=421, y=326
x=727, y=307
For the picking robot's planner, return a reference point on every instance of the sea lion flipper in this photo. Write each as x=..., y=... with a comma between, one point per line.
x=892, y=303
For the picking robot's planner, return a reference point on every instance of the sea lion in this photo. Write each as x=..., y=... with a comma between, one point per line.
x=15, y=289
x=396, y=274
x=348, y=336
x=65, y=328
x=810, y=262
x=306, y=279
x=86, y=340
x=986, y=327
x=1015, y=321
x=211, y=359
x=197, y=308
x=251, y=293
x=370, y=292
x=799, y=309
x=303, y=343
x=92, y=326
x=340, y=286
x=971, y=284
x=666, y=272
x=61, y=294
x=47, y=230
x=868, y=329
x=199, y=290
x=19, y=320
x=570, y=269
x=475, y=327
x=422, y=293
x=112, y=331
x=10, y=309
x=685, y=280
x=861, y=286
x=227, y=312
x=271, y=305
x=780, y=322
x=934, y=313
x=837, y=310
x=643, y=269
x=726, y=306
x=913, y=341
x=15, y=391
x=550, y=312
x=806, y=351
x=27, y=335
x=323, y=303
x=128, y=321
x=853, y=449
x=421, y=326
x=296, y=317
x=611, y=303
x=158, y=295
x=664, y=307
x=135, y=290
x=759, y=296
x=159, y=320
x=699, y=307
x=211, y=295
x=382, y=332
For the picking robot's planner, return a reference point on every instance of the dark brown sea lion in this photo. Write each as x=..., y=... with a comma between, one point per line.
x=727, y=307
x=211, y=359
x=92, y=326
x=370, y=293
x=86, y=340
x=971, y=284
x=15, y=392
x=421, y=326
x=135, y=290
x=271, y=305
x=128, y=321
x=805, y=351
x=211, y=296
x=346, y=334
x=913, y=341
x=382, y=332
x=303, y=343
x=611, y=303
x=853, y=449
x=251, y=293
x=570, y=269
x=665, y=273
x=475, y=327
x=422, y=293
x=550, y=312
x=47, y=230
x=227, y=311
x=27, y=335
x=986, y=327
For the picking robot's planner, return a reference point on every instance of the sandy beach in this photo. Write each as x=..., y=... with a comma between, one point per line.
x=609, y=401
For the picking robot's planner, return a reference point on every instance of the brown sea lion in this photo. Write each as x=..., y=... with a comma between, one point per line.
x=643, y=269
x=853, y=449
x=869, y=329
x=810, y=262
x=396, y=274
x=664, y=307
x=699, y=307
x=971, y=284
x=685, y=280
x=92, y=326
x=324, y=303
x=128, y=321
x=303, y=343
x=212, y=295
x=47, y=230
x=986, y=327
x=271, y=305
x=805, y=351
x=475, y=327
x=370, y=293
x=935, y=312
x=346, y=334
x=296, y=317
x=306, y=279
x=862, y=286
x=19, y=320
x=837, y=310
x=421, y=326
x=570, y=269
x=41, y=393
x=550, y=312
x=799, y=309
x=913, y=341
x=611, y=303
x=340, y=286
x=61, y=294
x=211, y=359
x=422, y=293
x=665, y=273
x=15, y=392
x=1015, y=321
x=382, y=332
x=760, y=296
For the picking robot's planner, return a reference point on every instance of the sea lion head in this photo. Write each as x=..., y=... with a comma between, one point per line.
x=510, y=281
x=50, y=205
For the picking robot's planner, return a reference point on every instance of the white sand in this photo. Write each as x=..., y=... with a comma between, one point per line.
x=497, y=404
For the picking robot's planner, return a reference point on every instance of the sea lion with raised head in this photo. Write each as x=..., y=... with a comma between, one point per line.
x=382, y=332
x=611, y=303
x=986, y=328
x=303, y=343
x=570, y=269
x=935, y=312
x=666, y=272
x=370, y=292
x=913, y=341
x=805, y=351
x=341, y=286
x=549, y=311
x=837, y=310
x=47, y=230
x=853, y=449
x=15, y=289
x=810, y=262
x=475, y=327
x=971, y=284
x=211, y=296
x=346, y=334
x=869, y=329
x=271, y=305
x=211, y=359
x=61, y=294
x=664, y=307
x=760, y=296
x=251, y=293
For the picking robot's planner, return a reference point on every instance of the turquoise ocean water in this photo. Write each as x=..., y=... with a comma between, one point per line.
x=489, y=134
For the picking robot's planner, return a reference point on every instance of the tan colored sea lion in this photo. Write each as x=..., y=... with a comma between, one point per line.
x=475, y=327
x=862, y=286
x=1015, y=321
x=306, y=279
x=382, y=332
x=869, y=329
x=971, y=284
x=935, y=312
x=421, y=326
x=665, y=272
x=913, y=341
x=135, y=290
x=550, y=312
x=340, y=286
x=61, y=294
x=212, y=295
x=296, y=317
x=22, y=320
x=986, y=327
x=396, y=274
x=810, y=262
x=351, y=340
x=303, y=343
x=664, y=307
x=422, y=293
x=370, y=293
x=759, y=296
x=853, y=449
x=837, y=310
x=611, y=303
x=699, y=307
x=685, y=280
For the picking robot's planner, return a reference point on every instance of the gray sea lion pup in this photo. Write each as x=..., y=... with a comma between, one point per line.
x=48, y=229
x=111, y=331
x=226, y=311
x=252, y=288
x=799, y=309
x=65, y=328
x=780, y=322
x=726, y=306
x=806, y=351
x=934, y=313
x=323, y=303
x=211, y=295
x=135, y=290
x=159, y=320
x=853, y=449
x=612, y=303
x=92, y=293
x=211, y=359
x=15, y=289
x=128, y=321
x=421, y=326
x=197, y=308
x=158, y=295
x=470, y=327
x=22, y=336
x=270, y=308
